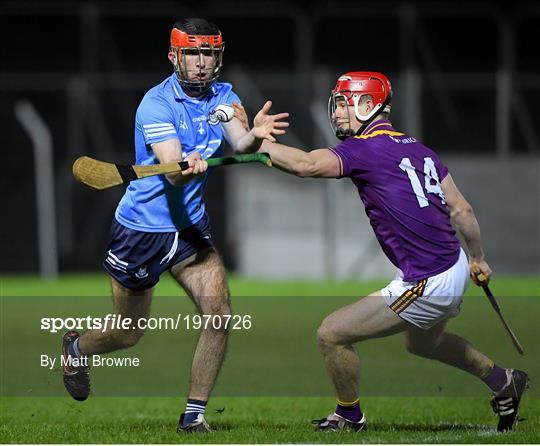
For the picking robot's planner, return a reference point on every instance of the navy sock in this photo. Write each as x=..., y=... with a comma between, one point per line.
x=73, y=349
x=349, y=411
x=496, y=379
x=193, y=409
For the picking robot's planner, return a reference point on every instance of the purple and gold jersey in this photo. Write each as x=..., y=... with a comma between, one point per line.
x=398, y=179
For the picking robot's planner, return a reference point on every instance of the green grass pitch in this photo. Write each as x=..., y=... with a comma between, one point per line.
x=273, y=381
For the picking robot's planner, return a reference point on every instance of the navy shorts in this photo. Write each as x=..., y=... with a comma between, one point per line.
x=136, y=259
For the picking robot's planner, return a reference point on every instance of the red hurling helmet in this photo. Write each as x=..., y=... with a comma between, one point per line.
x=350, y=87
x=196, y=37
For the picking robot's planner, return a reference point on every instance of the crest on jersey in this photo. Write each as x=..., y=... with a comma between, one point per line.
x=213, y=118
x=142, y=273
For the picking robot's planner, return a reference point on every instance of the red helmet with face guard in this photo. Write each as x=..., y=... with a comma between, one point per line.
x=196, y=37
x=351, y=87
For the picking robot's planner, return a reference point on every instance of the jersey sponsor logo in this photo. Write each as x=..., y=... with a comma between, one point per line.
x=402, y=141
x=199, y=119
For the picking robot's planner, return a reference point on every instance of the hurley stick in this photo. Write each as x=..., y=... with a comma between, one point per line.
x=100, y=175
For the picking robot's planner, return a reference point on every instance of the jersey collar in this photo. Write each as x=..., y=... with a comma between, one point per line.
x=381, y=124
x=180, y=95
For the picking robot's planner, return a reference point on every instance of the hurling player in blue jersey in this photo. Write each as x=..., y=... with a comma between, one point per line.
x=161, y=223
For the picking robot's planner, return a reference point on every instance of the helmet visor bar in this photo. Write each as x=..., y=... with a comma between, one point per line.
x=198, y=66
x=340, y=127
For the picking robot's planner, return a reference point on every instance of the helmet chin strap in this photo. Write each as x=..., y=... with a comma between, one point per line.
x=343, y=134
x=196, y=88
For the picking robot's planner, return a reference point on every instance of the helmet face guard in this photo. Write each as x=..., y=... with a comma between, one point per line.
x=196, y=80
x=340, y=132
x=350, y=88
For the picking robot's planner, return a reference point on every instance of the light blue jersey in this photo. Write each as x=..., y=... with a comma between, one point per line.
x=153, y=204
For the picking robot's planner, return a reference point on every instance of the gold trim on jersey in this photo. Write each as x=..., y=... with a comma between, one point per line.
x=380, y=132
x=408, y=297
x=378, y=125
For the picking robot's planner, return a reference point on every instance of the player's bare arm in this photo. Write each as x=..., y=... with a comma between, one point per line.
x=318, y=163
x=321, y=163
x=264, y=127
x=170, y=151
x=464, y=220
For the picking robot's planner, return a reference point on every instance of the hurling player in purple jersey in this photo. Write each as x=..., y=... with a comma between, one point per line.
x=413, y=206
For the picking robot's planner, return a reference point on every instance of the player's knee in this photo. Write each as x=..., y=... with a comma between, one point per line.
x=127, y=338
x=327, y=334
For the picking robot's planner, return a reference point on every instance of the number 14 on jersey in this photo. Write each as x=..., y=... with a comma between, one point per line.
x=431, y=184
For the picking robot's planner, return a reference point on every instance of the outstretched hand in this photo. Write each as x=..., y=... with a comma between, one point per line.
x=265, y=125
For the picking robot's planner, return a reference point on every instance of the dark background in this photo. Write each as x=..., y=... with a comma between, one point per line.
x=85, y=66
